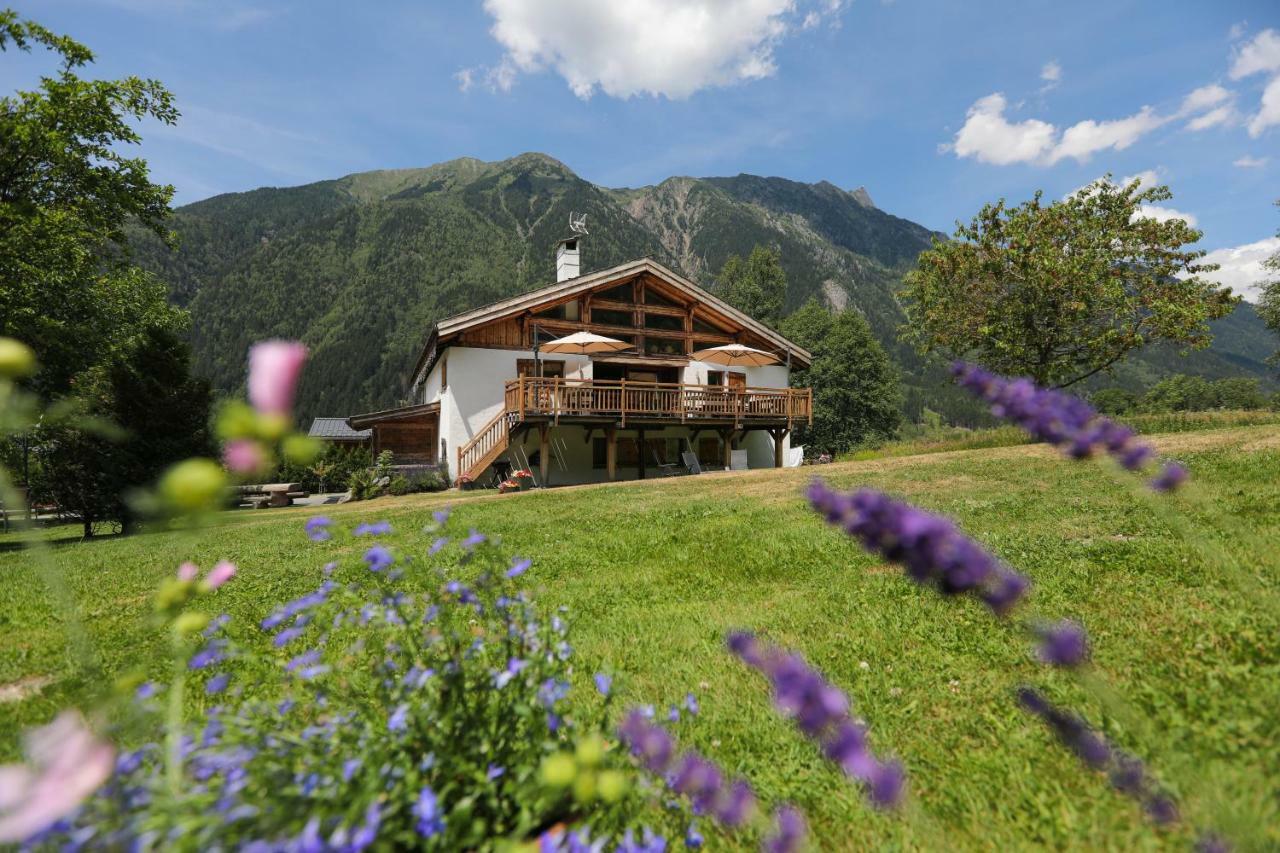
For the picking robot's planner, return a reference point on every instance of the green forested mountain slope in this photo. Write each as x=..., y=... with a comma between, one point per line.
x=360, y=267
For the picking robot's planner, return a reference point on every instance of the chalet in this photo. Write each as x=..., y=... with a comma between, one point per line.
x=495, y=390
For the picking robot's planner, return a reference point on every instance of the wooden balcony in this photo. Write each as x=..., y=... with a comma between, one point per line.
x=620, y=401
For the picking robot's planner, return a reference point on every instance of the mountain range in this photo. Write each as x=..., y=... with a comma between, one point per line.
x=360, y=267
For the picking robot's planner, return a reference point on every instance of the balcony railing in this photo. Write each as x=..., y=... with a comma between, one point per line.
x=555, y=397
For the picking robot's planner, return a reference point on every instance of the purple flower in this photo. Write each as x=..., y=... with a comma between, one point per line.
x=518, y=567
x=790, y=832
x=306, y=659
x=441, y=515
x=208, y=656
x=552, y=691
x=929, y=547
x=378, y=558
x=427, y=811
x=217, y=684
x=604, y=683
x=1171, y=476
x=399, y=719
x=692, y=838
x=367, y=832
x=145, y=690
x=287, y=636
x=376, y=529
x=474, y=539
x=494, y=772
x=317, y=528
x=821, y=711
x=1125, y=772
x=1063, y=644
x=437, y=546
x=514, y=666
x=691, y=703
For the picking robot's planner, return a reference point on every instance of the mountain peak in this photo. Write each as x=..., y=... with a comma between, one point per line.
x=862, y=197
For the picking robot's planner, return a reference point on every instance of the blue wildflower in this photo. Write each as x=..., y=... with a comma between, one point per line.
x=378, y=558
x=673, y=714
x=367, y=832
x=349, y=768
x=494, y=772
x=692, y=838
x=207, y=656
x=427, y=811
x=307, y=658
x=287, y=636
x=474, y=539
x=399, y=719
x=1171, y=476
x=789, y=834
x=441, y=516
x=514, y=667
x=145, y=690
x=691, y=703
x=376, y=529
x=552, y=691
x=518, y=567
x=604, y=683
x=217, y=684
x=437, y=546
x=317, y=528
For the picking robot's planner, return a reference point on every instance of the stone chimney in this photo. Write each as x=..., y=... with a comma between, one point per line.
x=568, y=258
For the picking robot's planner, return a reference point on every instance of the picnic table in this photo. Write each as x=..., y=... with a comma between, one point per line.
x=263, y=495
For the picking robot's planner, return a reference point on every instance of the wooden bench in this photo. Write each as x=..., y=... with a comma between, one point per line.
x=266, y=495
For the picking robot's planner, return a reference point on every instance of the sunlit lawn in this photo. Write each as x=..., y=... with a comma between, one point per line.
x=656, y=572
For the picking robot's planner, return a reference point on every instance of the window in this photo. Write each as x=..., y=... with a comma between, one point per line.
x=526, y=367
x=621, y=293
x=563, y=311
x=444, y=373
x=610, y=317
x=715, y=377
x=706, y=328
x=652, y=297
x=664, y=321
x=663, y=346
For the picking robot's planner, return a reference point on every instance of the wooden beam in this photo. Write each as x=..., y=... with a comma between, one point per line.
x=640, y=452
x=544, y=449
x=726, y=439
x=778, y=436
x=611, y=452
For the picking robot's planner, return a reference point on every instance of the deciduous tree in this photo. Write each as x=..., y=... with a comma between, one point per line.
x=756, y=285
x=1062, y=291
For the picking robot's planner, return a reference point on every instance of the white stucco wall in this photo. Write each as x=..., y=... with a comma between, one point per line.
x=475, y=395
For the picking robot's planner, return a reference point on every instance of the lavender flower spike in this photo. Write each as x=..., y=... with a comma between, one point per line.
x=1063, y=644
x=790, y=833
x=929, y=547
x=821, y=710
x=1125, y=772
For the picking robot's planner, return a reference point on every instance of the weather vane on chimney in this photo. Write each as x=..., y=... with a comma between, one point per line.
x=578, y=224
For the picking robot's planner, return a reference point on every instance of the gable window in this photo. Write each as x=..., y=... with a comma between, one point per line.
x=621, y=293
x=706, y=328
x=444, y=372
x=653, y=297
x=610, y=317
x=664, y=321
x=663, y=346
x=563, y=311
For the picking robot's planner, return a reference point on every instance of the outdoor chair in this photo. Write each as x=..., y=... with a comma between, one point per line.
x=690, y=460
x=666, y=469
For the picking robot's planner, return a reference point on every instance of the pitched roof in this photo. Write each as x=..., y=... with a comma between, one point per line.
x=368, y=419
x=517, y=304
x=336, y=429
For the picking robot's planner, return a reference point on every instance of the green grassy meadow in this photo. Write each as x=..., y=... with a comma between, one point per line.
x=655, y=572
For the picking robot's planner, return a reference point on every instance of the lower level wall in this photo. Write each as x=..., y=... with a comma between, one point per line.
x=574, y=458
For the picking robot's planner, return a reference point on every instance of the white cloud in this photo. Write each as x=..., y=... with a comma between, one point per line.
x=991, y=138
x=1217, y=116
x=1260, y=55
x=1163, y=214
x=671, y=48
x=1204, y=98
x=1242, y=268
x=1146, y=179
x=1268, y=114
x=1248, y=162
x=1051, y=74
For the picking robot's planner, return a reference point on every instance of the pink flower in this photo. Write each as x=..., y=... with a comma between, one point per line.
x=188, y=572
x=222, y=572
x=65, y=764
x=273, y=375
x=243, y=456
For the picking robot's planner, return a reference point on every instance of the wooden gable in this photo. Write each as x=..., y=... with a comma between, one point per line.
x=657, y=319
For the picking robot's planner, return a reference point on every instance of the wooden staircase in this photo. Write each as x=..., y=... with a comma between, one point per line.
x=480, y=452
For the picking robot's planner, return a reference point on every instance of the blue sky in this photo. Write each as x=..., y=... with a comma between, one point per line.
x=936, y=107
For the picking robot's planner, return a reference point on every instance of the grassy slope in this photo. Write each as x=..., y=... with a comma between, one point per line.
x=656, y=572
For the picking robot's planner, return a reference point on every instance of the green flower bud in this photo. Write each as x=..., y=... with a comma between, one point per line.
x=271, y=427
x=17, y=360
x=193, y=485
x=613, y=786
x=237, y=420
x=559, y=770
x=301, y=449
x=173, y=593
x=590, y=750
x=190, y=622
x=584, y=787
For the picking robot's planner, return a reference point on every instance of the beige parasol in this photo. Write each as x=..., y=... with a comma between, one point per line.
x=735, y=355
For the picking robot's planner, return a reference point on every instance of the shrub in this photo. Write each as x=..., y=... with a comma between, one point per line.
x=413, y=718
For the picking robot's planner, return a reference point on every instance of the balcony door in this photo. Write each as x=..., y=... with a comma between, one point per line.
x=737, y=381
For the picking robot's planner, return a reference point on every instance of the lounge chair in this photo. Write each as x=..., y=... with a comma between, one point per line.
x=666, y=469
x=690, y=460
